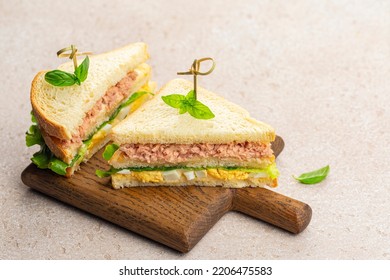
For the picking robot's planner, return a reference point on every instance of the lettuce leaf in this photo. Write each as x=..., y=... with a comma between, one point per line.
x=109, y=151
x=33, y=136
x=42, y=158
x=58, y=166
x=102, y=173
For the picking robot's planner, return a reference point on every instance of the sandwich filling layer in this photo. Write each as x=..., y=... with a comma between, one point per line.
x=134, y=180
x=178, y=153
x=201, y=173
x=191, y=175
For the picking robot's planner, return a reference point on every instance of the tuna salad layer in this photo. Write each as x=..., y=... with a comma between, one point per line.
x=179, y=153
x=107, y=103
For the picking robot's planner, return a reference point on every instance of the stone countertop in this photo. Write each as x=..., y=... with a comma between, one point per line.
x=318, y=73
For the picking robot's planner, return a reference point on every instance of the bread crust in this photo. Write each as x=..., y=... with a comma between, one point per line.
x=51, y=128
x=66, y=155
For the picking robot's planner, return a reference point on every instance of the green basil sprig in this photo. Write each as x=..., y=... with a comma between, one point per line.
x=61, y=78
x=314, y=177
x=189, y=104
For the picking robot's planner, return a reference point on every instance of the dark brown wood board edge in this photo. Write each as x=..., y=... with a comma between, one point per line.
x=274, y=208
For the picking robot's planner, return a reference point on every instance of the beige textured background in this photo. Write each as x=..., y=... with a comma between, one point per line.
x=318, y=71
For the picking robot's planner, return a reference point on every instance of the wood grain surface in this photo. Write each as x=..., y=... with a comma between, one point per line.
x=175, y=216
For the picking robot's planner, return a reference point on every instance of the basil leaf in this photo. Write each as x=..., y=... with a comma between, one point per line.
x=174, y=100
x=189, y=104
x=313, y=177
x=183, y=110
x=81, y=71
x=58, y=166
x=190, y=95
x=184, y=107
x=200, y=111
x=109, y=151
x=60, y=78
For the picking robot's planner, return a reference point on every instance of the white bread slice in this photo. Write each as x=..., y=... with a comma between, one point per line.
x=60, y=110
x=123, y=180
x=67, y=154
x=156, y=122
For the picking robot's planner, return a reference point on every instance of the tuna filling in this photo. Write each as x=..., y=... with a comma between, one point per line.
x=177, y=153
x=107, y=103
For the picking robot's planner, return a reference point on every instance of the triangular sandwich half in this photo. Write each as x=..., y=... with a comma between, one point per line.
x=73, y=122
x=157, y=146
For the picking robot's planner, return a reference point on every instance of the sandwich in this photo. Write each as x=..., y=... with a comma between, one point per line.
x=71, y=123
x=157, y=146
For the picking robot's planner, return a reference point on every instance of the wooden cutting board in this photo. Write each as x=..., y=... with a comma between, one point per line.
x=175, y=216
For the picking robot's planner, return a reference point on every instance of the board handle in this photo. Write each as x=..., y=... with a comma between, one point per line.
x=274, y=208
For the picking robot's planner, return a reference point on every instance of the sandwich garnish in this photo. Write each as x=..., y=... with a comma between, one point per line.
x=313, y=177
x=61, y=78
x=189, y=103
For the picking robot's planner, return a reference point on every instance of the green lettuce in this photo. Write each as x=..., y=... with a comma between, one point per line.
x=44, y=158
x=109, y=151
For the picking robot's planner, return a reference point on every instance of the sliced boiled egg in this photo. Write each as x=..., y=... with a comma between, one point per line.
x=123, y=113
x=190, y=175
x=172, y=175
x=200, y=173
x=258, y=175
